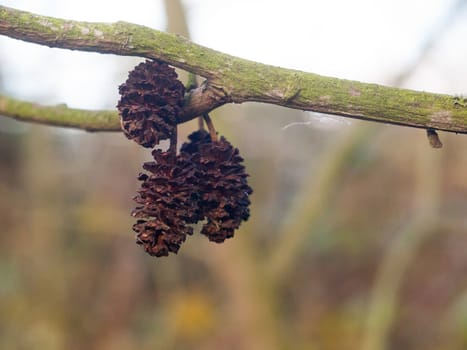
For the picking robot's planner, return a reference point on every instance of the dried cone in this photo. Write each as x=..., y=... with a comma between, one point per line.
x=224, y=189
x=167, y=203
x=151, y=99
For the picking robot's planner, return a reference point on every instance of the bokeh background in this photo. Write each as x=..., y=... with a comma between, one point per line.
x=357, y=237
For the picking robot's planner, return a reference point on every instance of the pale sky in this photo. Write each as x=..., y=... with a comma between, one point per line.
x=359, y=39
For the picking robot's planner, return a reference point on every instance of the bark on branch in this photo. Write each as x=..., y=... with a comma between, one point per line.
x=231, y=79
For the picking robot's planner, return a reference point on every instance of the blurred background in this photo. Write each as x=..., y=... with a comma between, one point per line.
x=357, y=236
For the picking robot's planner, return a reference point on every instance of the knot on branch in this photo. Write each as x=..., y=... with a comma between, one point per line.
x=202, y=100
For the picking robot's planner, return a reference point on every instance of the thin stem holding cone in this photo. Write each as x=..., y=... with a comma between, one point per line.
x=212, y=130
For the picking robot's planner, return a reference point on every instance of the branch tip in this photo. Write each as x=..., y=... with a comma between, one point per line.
x=433, y=138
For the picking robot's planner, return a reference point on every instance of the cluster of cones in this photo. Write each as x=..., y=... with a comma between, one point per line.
x=204, y=182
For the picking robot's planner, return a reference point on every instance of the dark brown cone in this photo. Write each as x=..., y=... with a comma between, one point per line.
x=168, y=202
x=224, y=189
x=151, y=99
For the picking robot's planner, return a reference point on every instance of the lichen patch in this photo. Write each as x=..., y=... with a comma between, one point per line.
x=325, y=99
x=67, y=26
x=47, y=23
x=354, y=92
x=276, y=93
x=441, y=117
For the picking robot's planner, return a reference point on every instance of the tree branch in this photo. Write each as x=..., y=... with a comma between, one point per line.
x=59, y=115
x=231, y=79
x=196, y=102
